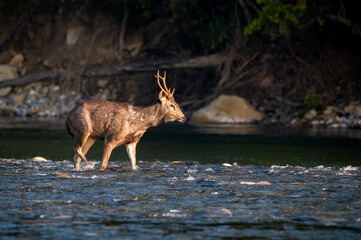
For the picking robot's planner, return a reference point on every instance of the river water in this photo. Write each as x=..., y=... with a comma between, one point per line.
x=246, y=182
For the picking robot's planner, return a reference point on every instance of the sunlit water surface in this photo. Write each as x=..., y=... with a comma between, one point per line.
x=246, y=182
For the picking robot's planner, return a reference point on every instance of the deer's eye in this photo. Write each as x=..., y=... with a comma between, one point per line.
x=172, y=106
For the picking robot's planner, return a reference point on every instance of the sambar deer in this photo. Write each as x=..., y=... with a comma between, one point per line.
x=118, y=123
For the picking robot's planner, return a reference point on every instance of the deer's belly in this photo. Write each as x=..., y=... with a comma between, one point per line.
x=99, y=136
x=131, y=138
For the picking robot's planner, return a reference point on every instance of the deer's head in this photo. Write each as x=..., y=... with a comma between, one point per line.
x=169, y=105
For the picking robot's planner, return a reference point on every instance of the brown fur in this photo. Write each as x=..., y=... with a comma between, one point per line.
x=117, y=124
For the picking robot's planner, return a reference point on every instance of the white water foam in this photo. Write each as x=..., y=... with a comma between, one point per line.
x=279, y=166
x=190, y=178
x=349, y=168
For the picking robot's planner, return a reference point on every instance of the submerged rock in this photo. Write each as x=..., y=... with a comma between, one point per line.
x=248, y=183
x=254, y=183
x=227, y=109
x=223, y=212
x=63, y=175
x=39, y=159
x=263, y=183
x=226, y=165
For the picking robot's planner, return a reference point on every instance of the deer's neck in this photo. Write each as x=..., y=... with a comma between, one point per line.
x=151, y=116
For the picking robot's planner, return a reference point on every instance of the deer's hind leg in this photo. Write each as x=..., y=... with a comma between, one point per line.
x=107, y=150
x=87, y=145
x=79, y=143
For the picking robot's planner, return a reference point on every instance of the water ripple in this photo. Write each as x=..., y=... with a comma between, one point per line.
x=175, y=200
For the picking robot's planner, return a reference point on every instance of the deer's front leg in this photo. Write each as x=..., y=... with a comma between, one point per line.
x=131, y=154
x=108, y=148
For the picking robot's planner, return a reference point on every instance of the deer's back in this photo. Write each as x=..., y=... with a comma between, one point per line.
x=97, y=117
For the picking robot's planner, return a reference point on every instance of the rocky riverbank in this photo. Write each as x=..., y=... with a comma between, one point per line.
x=237, y=110
x=83, y=51
x=35, y=99
x=331, y=117
x=38, y=101
x=56, y=97
x=48, y=99
x=41, y=100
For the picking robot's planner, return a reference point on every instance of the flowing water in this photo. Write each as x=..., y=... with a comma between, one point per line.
x=246, y=182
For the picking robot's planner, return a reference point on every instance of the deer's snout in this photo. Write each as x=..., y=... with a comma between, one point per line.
x=182, y=119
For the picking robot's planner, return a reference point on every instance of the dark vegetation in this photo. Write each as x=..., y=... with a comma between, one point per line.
x=286, y=57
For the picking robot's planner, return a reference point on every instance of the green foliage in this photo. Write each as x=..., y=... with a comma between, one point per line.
x=201, y=27
x=356, y=29
x=313, y=101
x=279, y=16
x=276, y=13
x=204, y=26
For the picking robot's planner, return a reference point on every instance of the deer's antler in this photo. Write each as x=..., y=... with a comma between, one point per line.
x=165, y=89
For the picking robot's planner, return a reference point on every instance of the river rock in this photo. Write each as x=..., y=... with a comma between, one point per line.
x=17, y=61
x=39, y=159
x=64, y=175
x=224, y=212
x=254, y=183
x=311, y=114
x=318, y=123
x=133, y=43
x=73, y=34
x=248, y=183
x=227, y=109
x=5, y=91
x=358, y=110
x=226, y=165
x=263, y=183
x=50, y=63
x=102, y=94
x=6, y=72
x=353, y=107
x=18, y=98
x=102, y=83
x=328, y=110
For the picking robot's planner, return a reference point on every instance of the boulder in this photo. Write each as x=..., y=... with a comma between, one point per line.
x=6, y=72
x=227, y=109
x=5, y=91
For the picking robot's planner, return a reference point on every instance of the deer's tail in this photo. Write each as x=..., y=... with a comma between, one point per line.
x=67, y=127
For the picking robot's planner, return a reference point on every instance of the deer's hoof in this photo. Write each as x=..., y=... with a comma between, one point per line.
x=135, y=168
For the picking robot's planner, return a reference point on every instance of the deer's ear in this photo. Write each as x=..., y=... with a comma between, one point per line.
x=162, y=96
